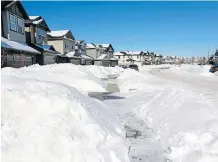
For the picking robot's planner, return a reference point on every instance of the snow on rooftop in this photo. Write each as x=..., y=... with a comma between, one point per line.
x=59, y=33
x=103, y=56
x=86, y=57
x=33, y=17
x=18, y=46
x=90, y=45
x=118, y=54
x=105, y=45
x=37, y=21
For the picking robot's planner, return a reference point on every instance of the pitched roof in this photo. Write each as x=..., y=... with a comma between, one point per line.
x=86, y=57
x=90, y=45
x=8, y=3
x=38, y=20
x=33, y=17
x=17, y=46
x=58, y=33
x=102, y=57
x=118, y=54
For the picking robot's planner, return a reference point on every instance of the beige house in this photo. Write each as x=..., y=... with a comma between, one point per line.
x=62, y=40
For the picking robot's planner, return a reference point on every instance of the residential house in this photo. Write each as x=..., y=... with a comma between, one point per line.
x=157, y=59
x=64, y=42
x=122, y=57
x=36, y=35
x=102, y=54
x=14, y=50
x=168, y=59
x=80, y=49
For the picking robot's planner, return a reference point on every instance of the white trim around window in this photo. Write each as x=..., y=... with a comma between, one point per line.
x=12, y=21
x=20, y=25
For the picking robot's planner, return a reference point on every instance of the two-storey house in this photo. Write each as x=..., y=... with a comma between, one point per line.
x=64, y=42
x=80, y=49
x=36, y=35
x=14, y=50
x=102, y=54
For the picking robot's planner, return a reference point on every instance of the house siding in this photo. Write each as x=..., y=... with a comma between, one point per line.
x=92, y=53
x=71, y=45
x=9, y=34
x=57, y=44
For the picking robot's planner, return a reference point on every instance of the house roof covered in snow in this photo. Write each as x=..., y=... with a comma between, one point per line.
x=86, y=57
x=39, y=21
x=118, y=54
x=60, y=34
x=5, y=43
x=102, y=57
x=132, y=52
x=90, y=46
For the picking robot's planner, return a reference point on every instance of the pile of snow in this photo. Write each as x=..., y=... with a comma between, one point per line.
x=80, y=77
x=131, y=80
x=103, y=72
x=53, y=122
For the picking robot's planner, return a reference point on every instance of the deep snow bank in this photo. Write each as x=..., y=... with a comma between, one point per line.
x=84, y=78
x=103, y=72
x=185, y=121
x=131, y=80
x=52, y=122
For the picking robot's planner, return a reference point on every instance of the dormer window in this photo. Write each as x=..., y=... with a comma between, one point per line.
x=20, y=25
x=12, y=22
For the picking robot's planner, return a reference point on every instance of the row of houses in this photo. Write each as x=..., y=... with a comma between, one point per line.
x=27, y=40
x=150, y=58
x=138, y=57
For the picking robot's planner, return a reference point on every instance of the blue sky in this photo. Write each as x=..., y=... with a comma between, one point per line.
x=169, y=28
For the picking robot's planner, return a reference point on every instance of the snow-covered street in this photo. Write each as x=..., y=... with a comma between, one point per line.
x=162, y=113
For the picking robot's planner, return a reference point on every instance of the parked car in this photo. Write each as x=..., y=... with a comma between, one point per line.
x=135, y=67
x=214, y=68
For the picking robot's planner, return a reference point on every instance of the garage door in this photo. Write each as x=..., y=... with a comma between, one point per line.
x=88, y=62
x=75, y=61
x=49, y=59
x=106, y=63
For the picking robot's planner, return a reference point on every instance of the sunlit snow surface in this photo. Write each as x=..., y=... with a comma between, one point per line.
x=47, y=116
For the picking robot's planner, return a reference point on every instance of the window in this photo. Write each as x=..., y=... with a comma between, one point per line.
x=118, y=57
x=66, y=45
x=20, y=25
x=12, y=22
x=41, y=36
x=138, y=56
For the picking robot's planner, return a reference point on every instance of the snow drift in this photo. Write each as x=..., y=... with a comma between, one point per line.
x=77, y=76
x=53, y=122
x=131, y=80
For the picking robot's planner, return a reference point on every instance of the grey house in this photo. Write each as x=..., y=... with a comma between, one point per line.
x=102, y=54
x=36, y=35
x=14, y=50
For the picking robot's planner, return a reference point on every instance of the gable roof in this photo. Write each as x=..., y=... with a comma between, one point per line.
x=105, y=46
x=58, y=33
x=61, y=34
x=118, y=54
x=38, y=20
x=7, y=4
x=102, y=57
x=90, y=46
